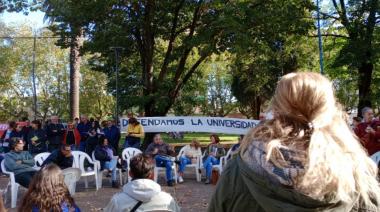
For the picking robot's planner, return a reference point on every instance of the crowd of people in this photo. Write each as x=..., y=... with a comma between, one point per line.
x=306, y=158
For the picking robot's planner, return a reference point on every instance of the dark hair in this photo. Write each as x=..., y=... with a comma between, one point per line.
x=12, y=125
x=133, y=121
x=141, y=166
x=216, y=137
x=357, y=119
x=13, y=142
x=38, y=123
x=102, y=139
x=65, y=145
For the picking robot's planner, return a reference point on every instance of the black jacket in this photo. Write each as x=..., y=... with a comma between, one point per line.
x=59, y=159
x=54, y=133
x=40, y=145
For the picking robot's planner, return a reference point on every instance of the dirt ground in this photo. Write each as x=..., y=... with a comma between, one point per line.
x=191, y=195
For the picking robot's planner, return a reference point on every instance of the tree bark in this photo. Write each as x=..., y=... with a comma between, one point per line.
x=75, y=60
x=364, y=85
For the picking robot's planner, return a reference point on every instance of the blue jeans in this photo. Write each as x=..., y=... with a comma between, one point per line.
x=165, y=162
x=211, y=160
x=111, y=165
x=82, y=146
x=184, y=161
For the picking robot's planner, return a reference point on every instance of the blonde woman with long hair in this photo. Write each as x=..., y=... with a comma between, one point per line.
x=305, y=159
x=48, y=192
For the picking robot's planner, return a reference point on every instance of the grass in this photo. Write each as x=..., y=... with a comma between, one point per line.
x=203, y=138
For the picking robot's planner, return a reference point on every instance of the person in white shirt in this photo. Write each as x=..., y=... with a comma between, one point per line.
x=142, y=193
x=190, y=155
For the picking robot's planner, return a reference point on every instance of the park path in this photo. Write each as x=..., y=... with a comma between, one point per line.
x=191, y=195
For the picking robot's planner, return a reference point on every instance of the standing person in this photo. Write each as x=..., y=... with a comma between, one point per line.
x=61, y=157
x=25, y=131
x=305, y=159
x=10, y=133
x=135, y=132
x=106, y=155
x=162, y=154
x=48, y=192
x=112, y=134
x=142, y=193
x=54, y=131
x=83, y=127
x=71, y=136
x=214, y=152
x=369, y=131
x=19, y=162
x=37, y=138
x=355, y=122
x=92, y=141
x=190, y=154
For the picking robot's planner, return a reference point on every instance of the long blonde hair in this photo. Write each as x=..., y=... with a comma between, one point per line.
x=47, y=191
x=308, y=118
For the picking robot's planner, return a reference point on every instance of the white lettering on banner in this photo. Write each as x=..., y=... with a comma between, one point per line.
x=193, y=124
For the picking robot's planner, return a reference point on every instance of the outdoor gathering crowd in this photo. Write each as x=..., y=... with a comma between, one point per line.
x=307, y=158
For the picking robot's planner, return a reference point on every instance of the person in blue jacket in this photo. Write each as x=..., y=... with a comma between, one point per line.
x=48, y=192
x=112, y=133
x=83, y=127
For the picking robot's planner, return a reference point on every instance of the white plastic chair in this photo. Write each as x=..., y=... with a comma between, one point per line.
x=71, y=177
x=40, y=158
x=126, y=155
x=196, y=165
x=376, y=157
x=157, y=170
x=12, y=183
x=79, y=161
x=100, y=173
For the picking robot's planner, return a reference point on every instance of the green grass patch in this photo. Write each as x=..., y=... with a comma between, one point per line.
x=203, y=138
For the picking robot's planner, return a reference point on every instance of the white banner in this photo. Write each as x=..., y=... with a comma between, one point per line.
x=193, y=124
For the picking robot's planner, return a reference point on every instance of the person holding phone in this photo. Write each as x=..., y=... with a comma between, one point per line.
x=214, y=152
x=37, y=138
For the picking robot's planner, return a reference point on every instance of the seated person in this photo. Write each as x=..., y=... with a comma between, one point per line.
x=142, y=193
x=62, y=157
x=48, y=192
x=214, y=152
x=105, y=154
x=162, y=153
x=235, y=147
x=190, y=154
x=20, y=162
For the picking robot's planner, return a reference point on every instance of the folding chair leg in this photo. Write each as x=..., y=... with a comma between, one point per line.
x=121, y=177
x=85, y=182
x=99, y=180
x=175, y=176
x=155, y=175
x=14, y=191
x=197, y=174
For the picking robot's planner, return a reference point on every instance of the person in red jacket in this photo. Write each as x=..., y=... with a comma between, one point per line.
x=71, y=136
x=369, y=131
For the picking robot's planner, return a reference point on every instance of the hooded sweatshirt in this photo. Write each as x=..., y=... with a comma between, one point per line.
x=144, y=190
x=250, y=183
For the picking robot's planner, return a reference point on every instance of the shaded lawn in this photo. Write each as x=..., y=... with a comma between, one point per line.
x=203, y=138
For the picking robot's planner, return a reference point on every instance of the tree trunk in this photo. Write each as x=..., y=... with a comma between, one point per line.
x=75, y=60
x=364, y=85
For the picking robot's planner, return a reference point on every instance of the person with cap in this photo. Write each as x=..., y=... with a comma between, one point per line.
x=20, y=162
